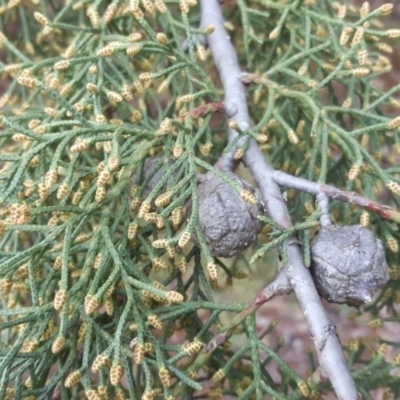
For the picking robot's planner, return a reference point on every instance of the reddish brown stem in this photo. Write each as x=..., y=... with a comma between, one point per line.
x=290, y=181
x=203, y=110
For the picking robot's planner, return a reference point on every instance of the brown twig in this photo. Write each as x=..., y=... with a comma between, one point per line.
x=330, y=354
x=290, y=181
x=203, y=110
x=278, y=287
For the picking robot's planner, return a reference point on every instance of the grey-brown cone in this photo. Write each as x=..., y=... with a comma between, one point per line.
x=348, y=265
x=229, y=224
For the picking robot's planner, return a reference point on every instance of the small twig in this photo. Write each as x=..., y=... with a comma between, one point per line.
x=205, y=109
x=330, y=356
x=323, y=204
x=278, y=287
x=290, y=181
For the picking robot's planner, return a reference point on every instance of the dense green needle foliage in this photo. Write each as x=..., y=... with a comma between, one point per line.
x=103, y=293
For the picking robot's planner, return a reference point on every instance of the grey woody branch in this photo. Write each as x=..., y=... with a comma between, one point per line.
x=330, y=354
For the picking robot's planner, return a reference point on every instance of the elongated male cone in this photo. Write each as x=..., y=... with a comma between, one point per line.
x=229, y=223
x=348, y=264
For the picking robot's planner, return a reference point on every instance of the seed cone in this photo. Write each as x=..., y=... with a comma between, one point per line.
x=348, y=264
x=229, y=223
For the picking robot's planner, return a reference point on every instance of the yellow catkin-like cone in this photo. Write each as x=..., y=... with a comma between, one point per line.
x=116, y=373
x=58, y=345
x=165, y=376
x=72, y=379
x=59, y=299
